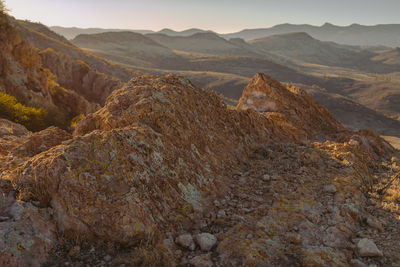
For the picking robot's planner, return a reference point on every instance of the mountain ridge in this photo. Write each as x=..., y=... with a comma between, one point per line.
x=353, y=34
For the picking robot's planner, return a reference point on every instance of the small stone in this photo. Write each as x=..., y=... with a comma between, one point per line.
x=243, y=180
x=294, y=238
x=374, y=223
x=107, y=258
x=221, y=214
x=330, y=189
x=178, y=253
x=73, y=252
x=206, y=241
x=202, y=261
x=249, y=236
x=186, y=241
x=266, y=177
x=367, y=248
x=357, y=263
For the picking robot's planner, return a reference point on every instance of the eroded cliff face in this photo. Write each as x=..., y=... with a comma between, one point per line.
x=276, y=181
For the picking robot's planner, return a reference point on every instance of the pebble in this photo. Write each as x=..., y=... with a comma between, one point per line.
x=186, y=241
x=221, y=214
x=266, y=177
x=205, y=241
x=330, y=189
x=202, y=261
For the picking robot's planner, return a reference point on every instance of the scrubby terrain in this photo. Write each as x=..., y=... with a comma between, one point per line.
x=167, y=174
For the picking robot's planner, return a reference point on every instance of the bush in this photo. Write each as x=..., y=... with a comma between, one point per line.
x=34, y=119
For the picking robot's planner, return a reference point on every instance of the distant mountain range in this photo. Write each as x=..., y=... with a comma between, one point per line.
x=355, y=34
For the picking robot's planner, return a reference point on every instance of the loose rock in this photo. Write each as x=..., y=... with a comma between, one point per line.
x=206, y=241
x=367, y=248
x=186, y=241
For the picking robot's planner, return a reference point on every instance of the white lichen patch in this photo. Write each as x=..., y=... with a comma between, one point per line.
x=160, y=97
x=157, y=158
x=191, y=195
x=268, y=106
x=258, y=94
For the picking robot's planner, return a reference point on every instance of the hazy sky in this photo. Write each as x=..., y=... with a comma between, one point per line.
x=218, y=15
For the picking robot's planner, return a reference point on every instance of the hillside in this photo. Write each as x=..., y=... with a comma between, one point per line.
x=37, y=35
x=389, y=57
x=30, y=94
x=355, y=34
x=305, y=48
x=130, y=45
x=204, y=42
x=276, y=180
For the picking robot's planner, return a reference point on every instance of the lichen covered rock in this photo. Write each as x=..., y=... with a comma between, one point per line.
x=274, y=186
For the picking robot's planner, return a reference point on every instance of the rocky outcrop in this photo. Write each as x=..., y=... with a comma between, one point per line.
x=43, y=38
x=251, y=186
x=166, y=143
x=291, y=106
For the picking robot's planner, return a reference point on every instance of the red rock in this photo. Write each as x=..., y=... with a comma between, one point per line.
x=290, y=107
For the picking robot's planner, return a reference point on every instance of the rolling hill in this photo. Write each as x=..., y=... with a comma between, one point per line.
x=130, y=45
x=204, y=43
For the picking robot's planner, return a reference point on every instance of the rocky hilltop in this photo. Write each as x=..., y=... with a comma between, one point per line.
x=167, y=174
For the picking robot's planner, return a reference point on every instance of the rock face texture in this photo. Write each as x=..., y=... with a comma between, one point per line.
x=276, y=181
x=291, y=106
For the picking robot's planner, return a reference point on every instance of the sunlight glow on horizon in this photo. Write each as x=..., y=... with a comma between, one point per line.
x=222, y=16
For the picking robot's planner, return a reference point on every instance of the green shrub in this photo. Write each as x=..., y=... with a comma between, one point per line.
x=34, y=119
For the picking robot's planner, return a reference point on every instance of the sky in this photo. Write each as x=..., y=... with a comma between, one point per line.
x=222, y=16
